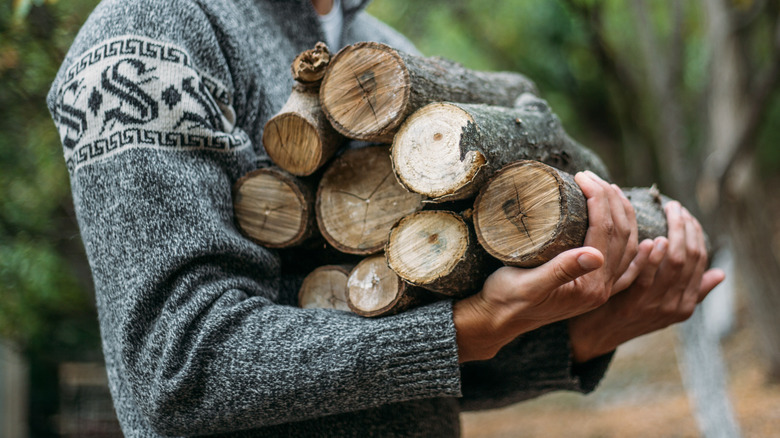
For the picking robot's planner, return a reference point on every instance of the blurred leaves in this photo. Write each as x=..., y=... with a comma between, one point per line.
x=557, y=44
x=46, y=303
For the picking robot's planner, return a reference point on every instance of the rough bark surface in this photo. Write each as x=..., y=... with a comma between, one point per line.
x=373, y=289
x=371, y=88
x=325, y=288
x=274, y=208
x=437, y=250
x=447, y=151
x=359, y=200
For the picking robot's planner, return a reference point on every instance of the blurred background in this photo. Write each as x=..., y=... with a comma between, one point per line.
x=678, y=93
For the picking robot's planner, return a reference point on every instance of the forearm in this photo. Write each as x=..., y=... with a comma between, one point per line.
x=535, y=363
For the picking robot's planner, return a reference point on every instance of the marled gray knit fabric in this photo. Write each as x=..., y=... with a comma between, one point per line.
x=160, y=106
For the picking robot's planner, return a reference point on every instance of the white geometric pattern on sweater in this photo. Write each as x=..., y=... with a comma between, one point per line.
x=134, y=92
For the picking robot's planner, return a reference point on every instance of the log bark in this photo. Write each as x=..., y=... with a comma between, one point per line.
x=273, y=208
x=373, y=289
x=447, y=151
x=530, y=212
x=371, y=88
x=299, y=139
x=359, y=200
x=437, y=250
x=325, y=288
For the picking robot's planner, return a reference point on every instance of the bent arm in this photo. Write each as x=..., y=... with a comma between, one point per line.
x=189, y=308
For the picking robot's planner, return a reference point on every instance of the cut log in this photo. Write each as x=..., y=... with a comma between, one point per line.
x=359, y=200
x=530, y=212
x=273, y=208
x=325, y=288
x=299, y=139
x=373, y=289
x=371, y=88
x=437, y=250
x=447, y=151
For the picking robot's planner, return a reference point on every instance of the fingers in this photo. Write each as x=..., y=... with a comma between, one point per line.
x=600, y=225
x=567, y=266
x=612, y=224
x=709, y=280
x=635, y=268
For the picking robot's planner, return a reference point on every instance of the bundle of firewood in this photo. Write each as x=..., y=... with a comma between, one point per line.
x=470, y=170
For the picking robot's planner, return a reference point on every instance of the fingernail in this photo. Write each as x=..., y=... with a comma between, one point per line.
x=588, y=261
x=593, y=175
x=661, y=245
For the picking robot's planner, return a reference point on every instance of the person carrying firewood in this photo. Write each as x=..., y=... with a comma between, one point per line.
x=160, y=107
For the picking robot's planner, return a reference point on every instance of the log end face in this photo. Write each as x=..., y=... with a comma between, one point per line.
x=270, y=209
x=427, y=245
x=366, y=91
x=427, y=154
x=517, y=215
x=372, y=288
x=325, y=288
x=359, y=200
x=293, y=143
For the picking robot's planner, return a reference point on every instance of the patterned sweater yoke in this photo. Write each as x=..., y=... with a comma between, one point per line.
x=160, y=107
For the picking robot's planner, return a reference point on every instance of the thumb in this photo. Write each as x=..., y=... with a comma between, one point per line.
x=569, y=265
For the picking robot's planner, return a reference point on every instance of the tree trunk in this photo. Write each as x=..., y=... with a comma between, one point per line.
x=359, y=200
x=371, y=88
x=373, y=289
x=273, y=208
x=530, y=212
x=447, y=151
x=299, y=139
x=437, y=250
x=325, y=288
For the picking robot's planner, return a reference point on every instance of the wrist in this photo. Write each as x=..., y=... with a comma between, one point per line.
x=483, y=328
x=478, y=330
x=586, y=341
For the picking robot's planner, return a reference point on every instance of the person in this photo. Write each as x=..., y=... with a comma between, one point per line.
x=160, y=108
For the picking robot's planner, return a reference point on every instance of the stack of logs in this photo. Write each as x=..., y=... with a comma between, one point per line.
x=479, y=174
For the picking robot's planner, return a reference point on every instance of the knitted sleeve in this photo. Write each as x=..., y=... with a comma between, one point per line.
x=535, y=363
x=189, y=308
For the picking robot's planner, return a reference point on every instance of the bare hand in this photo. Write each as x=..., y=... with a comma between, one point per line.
x=514, y=301
x=665, y=282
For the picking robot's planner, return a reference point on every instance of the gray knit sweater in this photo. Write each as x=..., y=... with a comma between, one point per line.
x=160, y=106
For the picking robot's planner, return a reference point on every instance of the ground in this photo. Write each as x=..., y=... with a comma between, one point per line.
x=642, y=396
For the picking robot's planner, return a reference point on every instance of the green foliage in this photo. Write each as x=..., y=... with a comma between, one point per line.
x=570, y=48
x=46, y=304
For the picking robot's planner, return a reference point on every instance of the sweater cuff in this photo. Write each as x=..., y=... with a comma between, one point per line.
x=590, y=373
x=420, y=353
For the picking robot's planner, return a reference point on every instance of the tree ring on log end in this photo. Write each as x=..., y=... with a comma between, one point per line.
x=427, y=245
x=427, y=155
x=365, y=90
x=293, y=143
x=518, y=214
x=359, y=200
x=325, y=288
x=270, y=209
x=372, y=287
